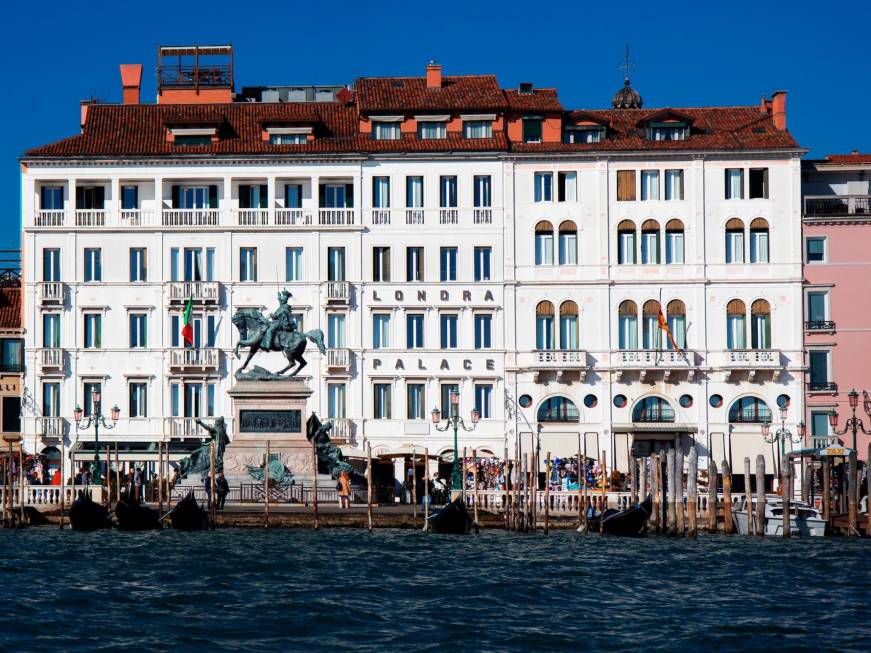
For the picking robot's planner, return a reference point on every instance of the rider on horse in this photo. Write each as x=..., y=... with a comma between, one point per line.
x=280, y=320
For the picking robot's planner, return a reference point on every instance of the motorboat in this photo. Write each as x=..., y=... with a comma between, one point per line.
x=804, y=520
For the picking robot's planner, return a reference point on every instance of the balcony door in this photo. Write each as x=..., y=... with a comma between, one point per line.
x=195, y=197
x=192, y=399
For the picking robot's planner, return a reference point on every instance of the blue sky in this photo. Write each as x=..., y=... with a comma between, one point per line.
x=686, y=54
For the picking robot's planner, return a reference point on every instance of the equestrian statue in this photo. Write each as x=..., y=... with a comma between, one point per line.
x=278, y=332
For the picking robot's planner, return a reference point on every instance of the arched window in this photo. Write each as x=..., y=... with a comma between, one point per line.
x=674, y=242
x=760, y=325
x=626, y=243
x=652, y=336
x=736, y=332
x=650, y=242
x=677, y=323
x=568, y=325
x=734, y=241
x=544, y=243
x=653, y=409
x=627, y=316
x=759, y=240
x=558, y=409
x=544, y=328
x=568, y=243
x=749, y=410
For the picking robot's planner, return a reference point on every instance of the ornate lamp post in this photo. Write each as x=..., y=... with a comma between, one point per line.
x=782, y=434
x=454, y=420
x=96, y=418
x=854, y=423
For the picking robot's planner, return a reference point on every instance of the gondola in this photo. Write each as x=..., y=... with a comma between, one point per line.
x=188, y=516
x=85, y=515
x=626, y=523
x=453, y=519
x=133, y=516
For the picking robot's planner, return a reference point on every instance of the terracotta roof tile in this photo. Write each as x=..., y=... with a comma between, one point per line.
x=465, y=92
x=10, y=307
x=848, y=158
x=541, y=99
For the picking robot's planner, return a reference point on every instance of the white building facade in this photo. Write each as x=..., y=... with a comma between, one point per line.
x=448, y=244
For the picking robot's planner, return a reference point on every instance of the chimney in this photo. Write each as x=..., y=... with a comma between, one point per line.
x=524, y=88
x=131, y=77
x=433, y=75
x=778, y=109
x=83, y=107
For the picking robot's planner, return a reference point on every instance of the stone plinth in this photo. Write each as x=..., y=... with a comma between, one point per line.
x=269, y=410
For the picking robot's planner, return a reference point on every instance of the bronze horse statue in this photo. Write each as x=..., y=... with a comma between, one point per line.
x=252, y=328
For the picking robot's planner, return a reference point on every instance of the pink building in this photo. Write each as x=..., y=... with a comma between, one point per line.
x=837, y=273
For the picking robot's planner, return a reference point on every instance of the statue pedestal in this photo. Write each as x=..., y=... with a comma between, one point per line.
x=273, y=411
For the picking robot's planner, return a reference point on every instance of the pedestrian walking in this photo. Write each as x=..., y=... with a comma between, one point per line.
x=344, y=488
x=222, y=489
x=137, y=485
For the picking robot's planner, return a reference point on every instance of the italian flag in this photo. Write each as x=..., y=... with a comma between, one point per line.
x=187, y=331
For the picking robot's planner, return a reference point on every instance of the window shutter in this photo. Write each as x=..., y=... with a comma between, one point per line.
x=561, y=187
x=80, y=198
x=213, y=196
x=625, y=185
x=100, y=197
x=244, y=196
x=349, y=196
x=322, y=195
x=264, y=190
x=176, y=197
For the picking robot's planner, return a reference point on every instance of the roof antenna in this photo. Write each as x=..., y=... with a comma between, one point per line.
x=626, y=66
x=626, y=97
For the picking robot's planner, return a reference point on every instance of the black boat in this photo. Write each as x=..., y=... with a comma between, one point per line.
x=133, y=516
x=627, y=523
x=188, y=516
x=452, y=519
x=85, y=515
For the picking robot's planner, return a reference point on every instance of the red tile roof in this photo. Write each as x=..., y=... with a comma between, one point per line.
x=10, y=307
x=541, y=99
x=848, y=158
x=402, y=94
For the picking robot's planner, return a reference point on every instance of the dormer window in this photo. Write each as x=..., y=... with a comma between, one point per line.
x=432, y=127
x=288, y=135
x=478, y=125
x=668, y=131
x=193, y=135
x=532, y=128
x=584, y=134
x=386, y=128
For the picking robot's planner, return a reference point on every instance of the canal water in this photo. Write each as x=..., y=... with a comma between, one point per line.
x=342, y=590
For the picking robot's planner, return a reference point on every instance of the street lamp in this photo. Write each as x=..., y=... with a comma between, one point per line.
x=454, y=420
x=96, y=418
x=782, y=434
x=854, y=423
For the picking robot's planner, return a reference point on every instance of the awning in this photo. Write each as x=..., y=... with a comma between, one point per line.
x=833, y=451
x=654, y=428
x=136, y=452
x=404, y=451
x=350, y=451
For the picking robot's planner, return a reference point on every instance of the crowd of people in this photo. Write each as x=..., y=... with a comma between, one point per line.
x=562, y=474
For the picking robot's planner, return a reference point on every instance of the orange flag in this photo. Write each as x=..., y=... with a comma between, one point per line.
x=663, y=324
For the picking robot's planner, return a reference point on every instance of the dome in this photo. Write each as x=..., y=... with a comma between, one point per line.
x=626, y=97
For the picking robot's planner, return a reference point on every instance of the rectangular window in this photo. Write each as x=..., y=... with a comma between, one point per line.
x=51, y=264
x=138, y=264
x=568, y=245
x=335, y=263
x=336, y=401
x=431, y=130
x=667, y=131
x=818, y=369
x=673, y=185
x=734, y=183
x=448, y=263
x=293, y=263
x=288, y=139
x=93, y=264
x=583, y=134
x=628, y=332
x=758, y=183
x=90, y=197
x=448, y=191
x=195, y=197
x=543, y=186
x=736, y=333
x=544, y=332
x=138, y=332
x=194, y=268
x=568, y=332
x=247, y=264
x=677, y=324
x=446, y=390
x=129, y=198
x=760, y=336
x=482, y=191
x=336, y=196
x=414, y=331
x=93, y=330
x=51, y=330
x=649, y=185
x=382, y=392
x=674, y=247
x=414, y=192
x=650, y=247
x=819, y=424
x=51, y=198
x=414, y=263
x=380, y=192
x=734, y=246
x=386, y=131
x=478, y=129
x=625, y=185
x=380, y=264
x=89, y=391
x=484, y=400
x=11, y=350
x=483, y=331
x=483, y=255
x=759, y=245
x=544, y=247
x=381, y=330
x=335, y=330
x=816, y=307
x=815, y=249
x=416, y=401
x=138, y=405
x=626, y=251
x=253, y=196
x=567, y=190
x=51, y=399
x=532, y=128
x=448, y=324
x=293, y=196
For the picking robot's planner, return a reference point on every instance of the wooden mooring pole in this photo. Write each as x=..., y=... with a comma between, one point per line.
x=692, y=492
x=727, y=498
x=369, y=486
x=759, y=518
x=524, y=519
x=266, y=488
x=108, y=477
x=160, y=477
x=786, y=493
x=117, y=476
x=425, y=489
x=633, y=481
x=748, y=496
x=678, y=480
x=581, y=484
x=868, y=483
x=212, y=484
x=827, y=490
x=642, y=479
x=852, y=495
x=506, y=497
x=413, y=488
x=712, y=496
x=547, y=493
x=670, y=498
x=475, y=485
x=315, y=523
x=655, y=491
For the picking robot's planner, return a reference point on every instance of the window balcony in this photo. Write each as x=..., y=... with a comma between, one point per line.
x=380, y=216
x=51, y=292
x=339, y=359
x=414, y=216
x=49, y=218
x=342, y=431
x=191, y=217
x=251, y=217
x=647, y=362
x=90, y=218
x=52, y=427
x=136, y=218
x=449, y=216
x=823, y=441
x=335, y=216
x=482, y=216
x=198, y=291
x=818, y=206
x=822, y=386
x=338, y=292
x=292, y=217
x=52, y=359
x=185, y=359
x=565, y=364
x=819, y=325
x=752, y=361
x=184, y=427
